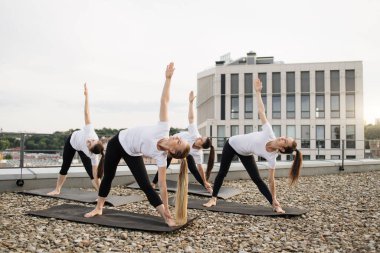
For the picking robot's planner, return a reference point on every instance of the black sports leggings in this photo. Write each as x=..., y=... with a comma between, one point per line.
x=68, y=155
x=136, y=165
x=249, y=164
x=192, y=167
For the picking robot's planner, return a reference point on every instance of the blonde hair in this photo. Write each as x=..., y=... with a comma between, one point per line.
x=181, y=195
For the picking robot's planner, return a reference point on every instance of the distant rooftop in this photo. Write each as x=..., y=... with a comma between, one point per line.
x=250, y=59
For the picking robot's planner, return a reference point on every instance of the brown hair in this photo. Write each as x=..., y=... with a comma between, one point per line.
x=98, y=148
x=211, y=157
x=297, y=162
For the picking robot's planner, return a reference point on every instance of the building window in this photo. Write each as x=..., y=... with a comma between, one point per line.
x=335, y=93
x=234, y=130
x=276, y=130
x=305, y=136
x=248, y=97
x=290, y=106
x=305, y=94
x=219, y=157
x=320, y=157
x=291, y=131
x=234, y=96
x=304, y=157
x=276, y=97
x=320, y=94
x=350, y=93
x=221, y=134
x=350, y=157
x=223, y=97
x=350, y=136
x=260, y=128
x=248, y=129
x=320, y=133
x=335, y=136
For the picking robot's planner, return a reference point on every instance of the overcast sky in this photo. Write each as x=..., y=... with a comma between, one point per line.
x=48, y=49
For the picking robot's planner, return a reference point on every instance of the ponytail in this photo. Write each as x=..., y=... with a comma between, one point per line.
x=181, y=196
x=210, y=163
x=101, y=166
x=296, y=168
x=98, y=148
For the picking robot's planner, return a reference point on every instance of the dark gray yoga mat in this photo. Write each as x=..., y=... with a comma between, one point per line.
x=197, y=189
x=238, y=208
x=90, y=197
x=110, y=218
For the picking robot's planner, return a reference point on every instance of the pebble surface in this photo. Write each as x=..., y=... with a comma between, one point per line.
x=343, y=216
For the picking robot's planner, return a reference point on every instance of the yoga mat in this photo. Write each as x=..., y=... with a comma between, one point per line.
x=196, y=189
x=90, y=197
x=238, y=208
x=110, y=218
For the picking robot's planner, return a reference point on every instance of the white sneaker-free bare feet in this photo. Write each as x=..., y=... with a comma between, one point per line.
x=170, y=222
x=55, y=192
x=94, y=213
x=210, y=203
x=278, y=209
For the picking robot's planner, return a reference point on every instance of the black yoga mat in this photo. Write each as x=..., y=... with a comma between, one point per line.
x=90, y=197
x=110, y=218
x=197, y=189
x=238, y=208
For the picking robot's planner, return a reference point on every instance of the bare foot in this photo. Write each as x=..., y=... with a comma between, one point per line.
x=154, y=185
x=170, y=222
x=55, y=192
x=210, y=203
x=278, y=209
x=94, y=213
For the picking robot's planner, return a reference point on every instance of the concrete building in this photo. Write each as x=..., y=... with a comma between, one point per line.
x=318, y=104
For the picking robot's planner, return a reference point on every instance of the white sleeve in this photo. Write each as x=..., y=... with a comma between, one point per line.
x=94, y=160
x=193, y=130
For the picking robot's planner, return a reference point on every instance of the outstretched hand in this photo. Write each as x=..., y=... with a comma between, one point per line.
x=191, y=96
x=85, y=89
x=258, y=85
x=169, y=70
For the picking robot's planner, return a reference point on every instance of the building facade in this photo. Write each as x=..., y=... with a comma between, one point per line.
x=318, y=104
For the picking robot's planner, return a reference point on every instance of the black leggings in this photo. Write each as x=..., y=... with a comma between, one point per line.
x=136, y=165
x=192, y=167
x=68, y=155
x=249, y=164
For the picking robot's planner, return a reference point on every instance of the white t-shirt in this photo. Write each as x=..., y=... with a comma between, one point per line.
x=191, y=136
x=254, y=143
x=79, y=138
x=143, y=140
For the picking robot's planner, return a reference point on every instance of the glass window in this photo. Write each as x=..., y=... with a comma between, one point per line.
x=350, y=106
x=263, y=79
x=320, y=81
x=320, y=106
x=260, y=128
x=234, y=107
x=350, y=136
x=305, y=106
x=291, y=131
x=248, y=83
x=276, y=82
x=223, y=97
x=276, y=130
x=305, y=136
x=335, y=106
x=350, y=80
x=305, y=81
x=276, y=107
x=320, y=157
x=304, y=157
x=335, y=136
x=350, y=157
x=248, y=107
x=234, y=83
x=334, y=81
x=290, y=106
x=248, y=129
x=234, y=130
x=320, y=141
x=221, y=135
x=290, y=82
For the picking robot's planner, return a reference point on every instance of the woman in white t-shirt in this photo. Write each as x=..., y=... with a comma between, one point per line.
x=195, y=157
x=88, y=146
x=264, y=144
x=151, y=141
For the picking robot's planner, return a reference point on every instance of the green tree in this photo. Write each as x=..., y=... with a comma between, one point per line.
x=372, y=132
x=4, y=144
x=8, y=157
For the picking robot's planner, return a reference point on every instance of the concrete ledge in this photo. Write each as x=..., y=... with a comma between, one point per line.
x=77, y=177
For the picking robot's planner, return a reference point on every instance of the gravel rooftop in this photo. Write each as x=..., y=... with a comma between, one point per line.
x=343, y=217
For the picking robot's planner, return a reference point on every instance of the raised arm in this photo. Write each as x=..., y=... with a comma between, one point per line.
x=260, y=104
x=86, y=107
x=165, y=97
x=191, y=107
